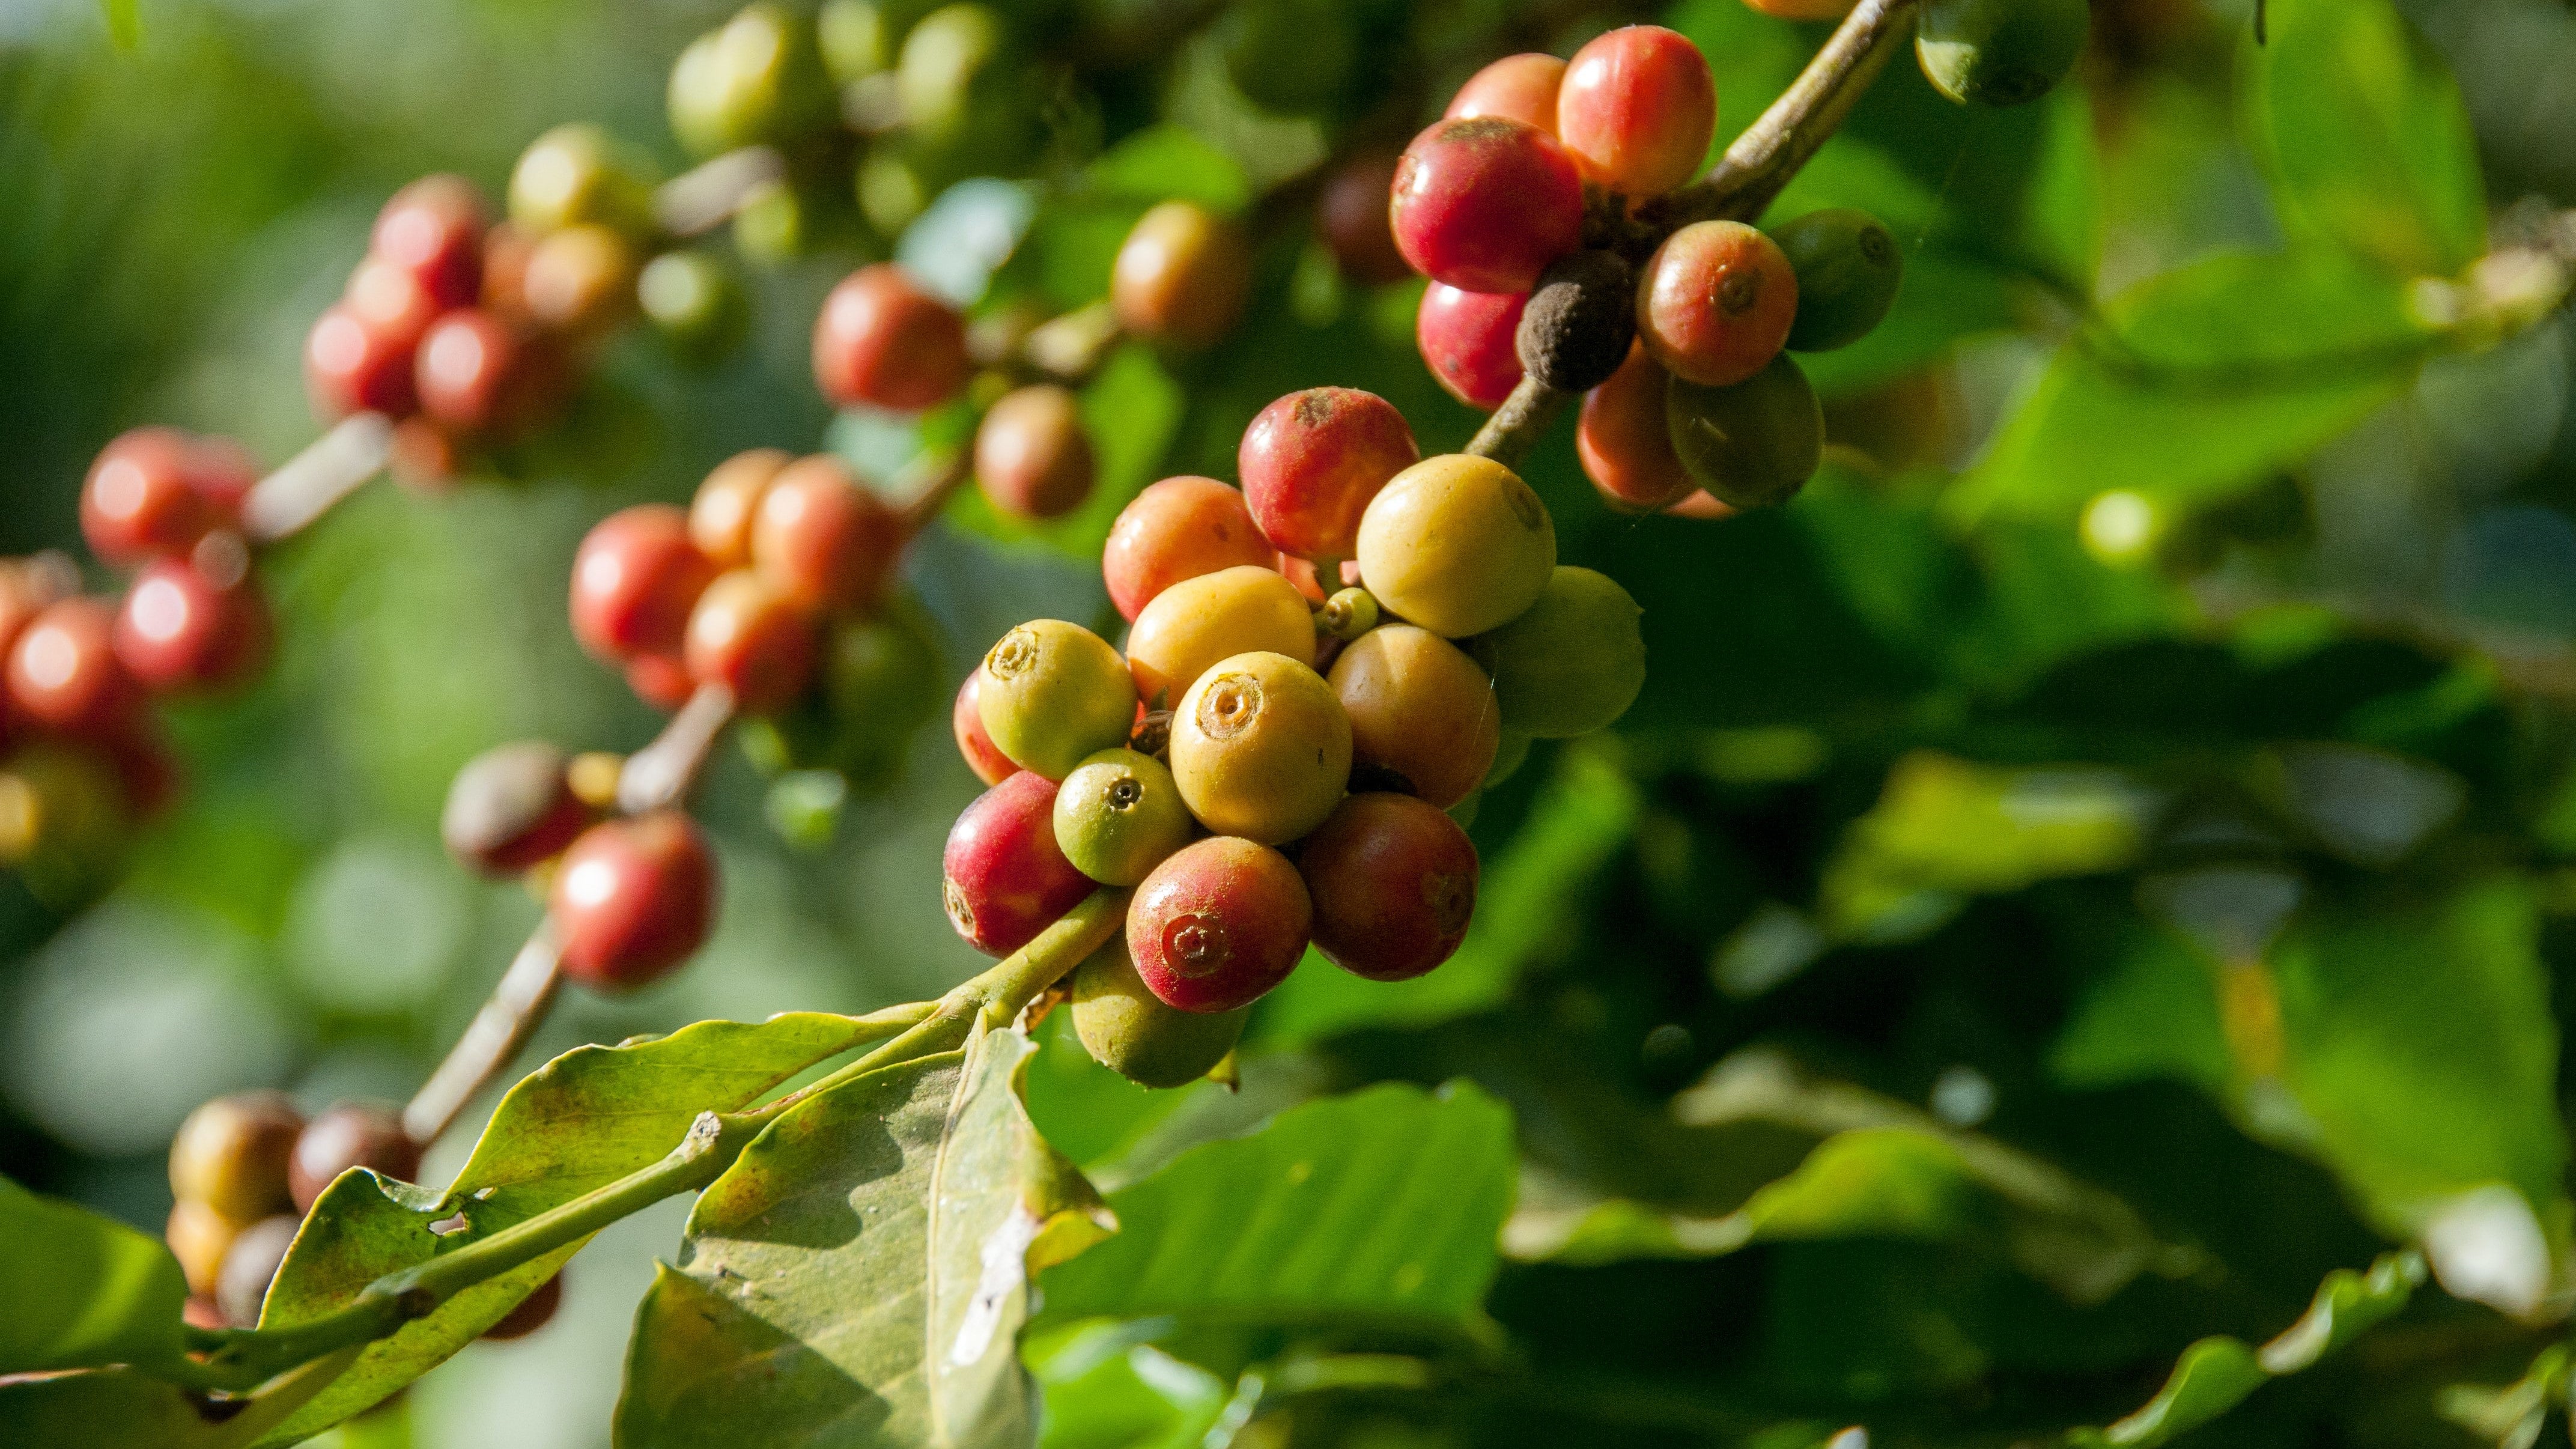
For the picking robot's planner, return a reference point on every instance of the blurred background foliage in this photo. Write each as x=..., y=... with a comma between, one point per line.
x=2128, y=822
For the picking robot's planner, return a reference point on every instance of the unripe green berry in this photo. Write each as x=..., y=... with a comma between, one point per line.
x=1127, y=1029
x=1118, y=815
x=756, y=81
x=857, y=37
x=1456, y=544
x=1055, y=694
x=1510, y=753
x=1848, y=268
x=2000, y=52
x=881, y=681
x=1261, y=748
x=1755, y=443
x=949, y=60
x=579, y=173
x=1348, y=614
x=696, y=302
x=1573, y=663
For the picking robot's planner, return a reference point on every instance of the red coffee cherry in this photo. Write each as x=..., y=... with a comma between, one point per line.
x=822, y=540
x=1469, y=340
x=633, y=899
x=974, y=742
x=139, y=501
x=223, y=472
x=1486, y=204
x=1032, y=457
x=1394, y=885
x=1351, y=215
x=390, y=302
x=350, y=1134
x=1520, y=88
x=1715, y=304
x=1311, y=462
x=1623, y=442
x=635, y=579
x=179, y=629
x=1005, y=878
x=1176, y=529
x=433, y=229
x=427, y=456
x=511, y=807
x=750, y=638
x=64, y=674
x=476, y=373
x=1181, y=277
x=660, y=680
x=506, y=250
x=351, y=368
x=721, y=515
x=883, y=341
x=1218, y=924
x=1637, y=110
x=534, y=1312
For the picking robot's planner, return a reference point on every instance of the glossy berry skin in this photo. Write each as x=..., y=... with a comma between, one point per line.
x=139, y=501
x=1129, y=1030
x=534, y=1312
x=1177, y=528
x=1456, y=544
x=1032, y=457
x=231, y=1155
x=223, y=472
x=1351, y=218
x=1261, y=748
x=1181, y=277
x=883, y=341
x=660, y=680
x=696, y=301
x=1848, y=268
x=199, y=1237
x=1420, y=712
x=1004, y=877
x=966, y=722
x=1520, y=88
x=1193, y=624
x=822, y=539
x=1469, y=340
x=1055, y=694
x=1484, y=205
x=1118, y=815
x=178, y=630
x=753, y=640
x=250, y=1263
x=63, y=672
x=477, y=374
x=721, y=513
x=1637, y=110
x=580, y=281
x=511, y=807
x=1716, y=302
x=1622, y=442
x=632, y=900
x=347, y=1135
x=1312, y=460
x=1573, y=663
x=1393, y=881
x=1215, y=927
x=350, y=368
x=391, y=303
x=1580, y=319
x=1752, y=444
x=2000, y=52
x=634, y=580
x=433, y=229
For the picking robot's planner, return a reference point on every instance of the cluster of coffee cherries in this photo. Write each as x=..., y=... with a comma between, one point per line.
x=244, y=1170
x=1267, y=767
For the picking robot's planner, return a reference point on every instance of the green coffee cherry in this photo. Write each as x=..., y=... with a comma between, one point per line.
x=1848, y=269
x=694, y=299
x=1509, y=755
x=953, y=58
x=771, y=226
x=1135, y=1035
x=759, y=80
x=1118, y=815
x=579, y=173
x=1055, y=694
x=881, y=681
x=1571, y=664
x=857, y=38
x=1290, y=55
x=65, y=823
x=1752, y=444
x=1348, y=614
x=1999, y=52
x=892, y=188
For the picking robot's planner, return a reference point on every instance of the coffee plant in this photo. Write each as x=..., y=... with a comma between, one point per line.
x=1996, y=878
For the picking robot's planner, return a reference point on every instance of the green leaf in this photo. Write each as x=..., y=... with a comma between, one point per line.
x=583, y=1120
x=87, y=1290
x=124, y=22
x=120, y=1408
x=860, y=1274
x=1170, y=162
x=1380, y=1207
x=2369, y=144
x=1105, y=1390
x=2152, y=1011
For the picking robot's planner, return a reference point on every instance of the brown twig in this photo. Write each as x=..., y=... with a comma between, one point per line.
x=507, y=1019
x=661, y=774
x=928, y=484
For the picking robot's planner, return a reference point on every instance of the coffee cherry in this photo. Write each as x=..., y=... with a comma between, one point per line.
x=1637, y=110
x=347, y=1135
x=350, y=368
x=1573, y=663
x=223, y=472
x=1351, y=216
x=1999, y=52
x=695, y=300
x=1716, y=302
x=1261, y=748
x=632, y=900
x=250, y=1264
x=533, y=1312
x=580, y=281
x=1129, y=1030
x=1513, y=754
x=1118, y=815
x=1485, y=205
x=1181, y=277
x=511, y=807
x=758, y=80
x=660, y=680
x=1469, y=340
x=433, y=230
x=634, y=580
x=1301, y=575
x=953, y=64
x=1394, y=885
x=822, y=539
x=1622, y=441
x=199, y=1237
x=1520, y=88
x=1197, y=622
x=1848, y=268
x=1420, y=710
x=1457, y=544
x=1176, y=529
x=231, y=1155
x=139, y=503
x=579, y=173
x=1348, y=614
x=747, y=636
x=1032, y=457
x=1754, y=443
x=1578, y=324
x=883, y=341
x=859, y=38
x=1005, y=878
x=27, y=586
x=877, y=681
x=966, y=721
x=1215, y=927
x=1698, y=505
x=390, y=302
x=63, y=672
x=506, y=250
x=477, y=374
x=1289, y=55
x=67, y=814
x=720, y=516
x=1311, y=462
x=179, y=630
x=1053, y=695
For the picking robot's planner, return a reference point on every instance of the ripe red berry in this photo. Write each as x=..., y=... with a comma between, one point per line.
x=1218, y=924
x=634, y=580
x=433, y=229
x=721, y=515
x=1521, y=88
x=477, y=373
x=883, y=341
x=1637, y=110
x=1179, y=528
x=633, y=899
x=1394, y=885
x=1312, y=460
x=534, y=1312
x=1032, y=456
x=426, y=456
x=510, y=807
x=660, y=680
x=1715, y=304
x=350, y=1134
x=822, y=540
x=1623, y=442
x=1351, y=215
x=223, y=472
x=750, y=638
x=139, y=501
x=1468, y=340
x=63, y=671
x=351, y=368
x=1181, y=276
x=390, y=302
x=1005, y=878
x=179, y=629
x=974, y=742
x=1486, y=204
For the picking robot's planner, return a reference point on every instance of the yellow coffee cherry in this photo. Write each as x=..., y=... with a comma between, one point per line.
x=1053, y=695
x=1420, y=709
x=1261, y=748
x=231, y=1155
x=1196, y=622
x=1456, y=544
